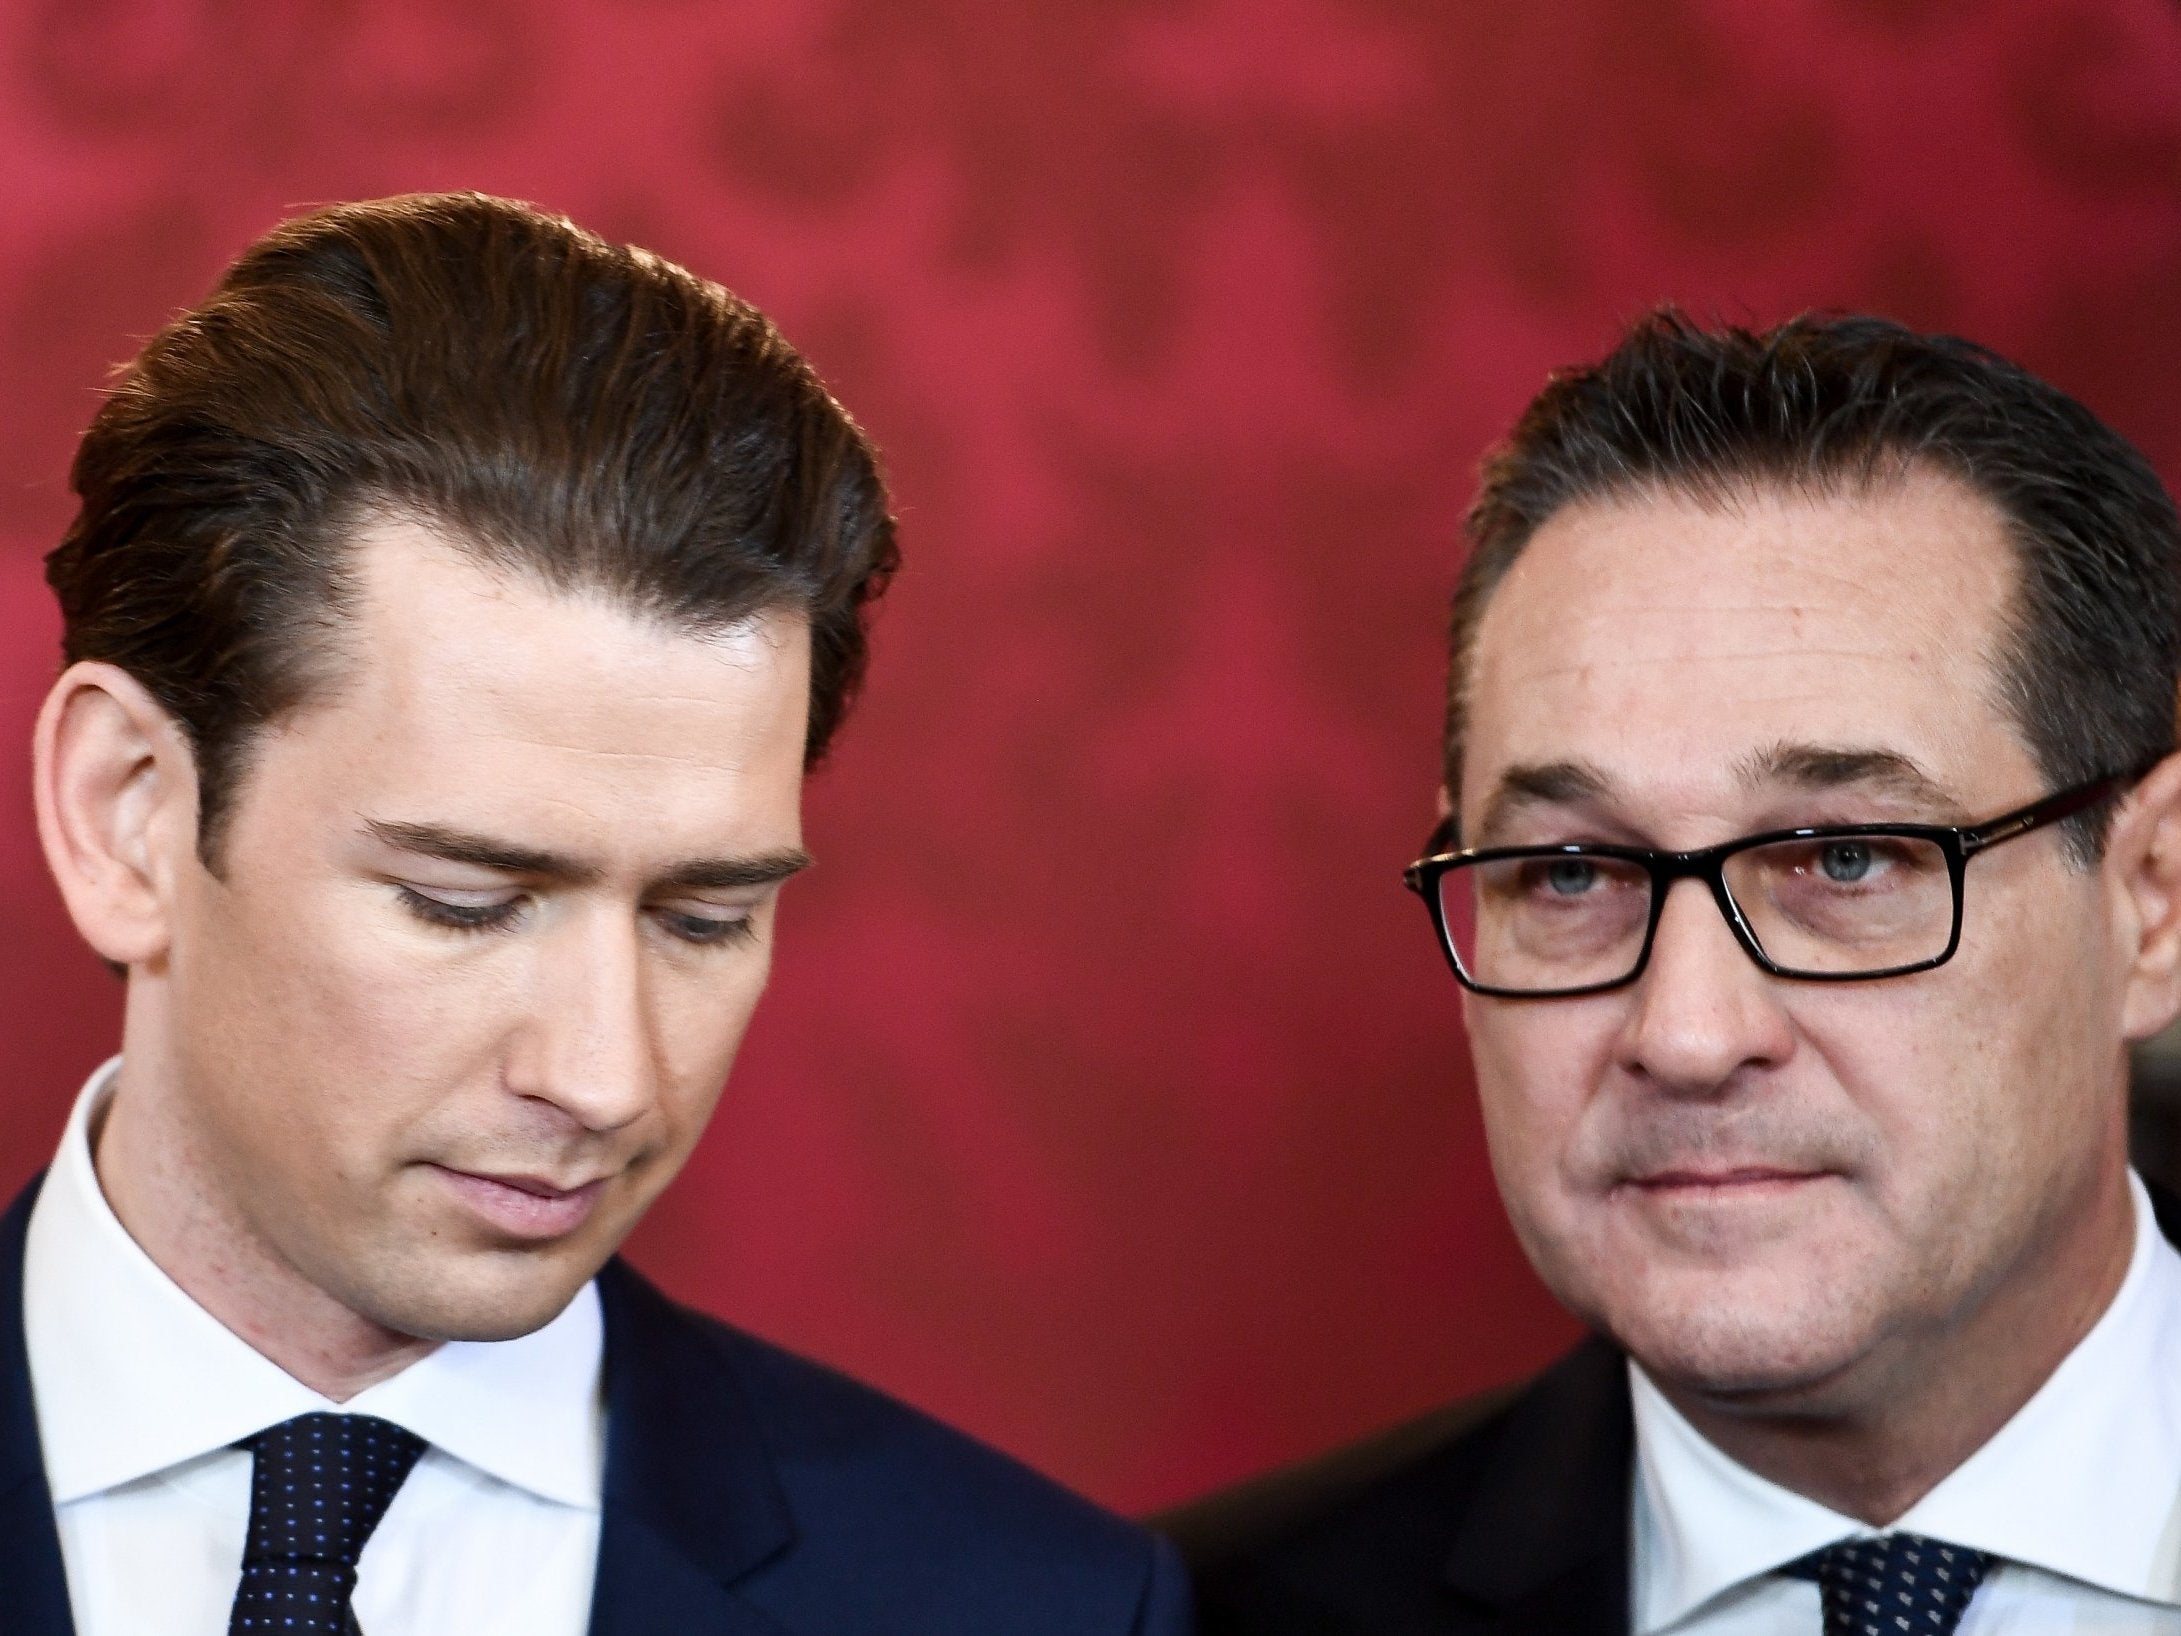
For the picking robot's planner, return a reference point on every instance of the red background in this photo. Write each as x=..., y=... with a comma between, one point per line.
x=1110, y=1099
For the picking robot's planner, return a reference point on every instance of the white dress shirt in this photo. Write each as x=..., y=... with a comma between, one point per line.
x=2079, y=1496
x=141, y=1395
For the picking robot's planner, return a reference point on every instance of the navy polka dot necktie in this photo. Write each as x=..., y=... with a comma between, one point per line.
x=319, y=1484
x=1893, y=1585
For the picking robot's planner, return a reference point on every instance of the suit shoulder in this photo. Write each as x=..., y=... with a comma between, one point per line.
x=815, y=1417
x=886, y=1495
x=1285, y=1506
x=1362, y=1540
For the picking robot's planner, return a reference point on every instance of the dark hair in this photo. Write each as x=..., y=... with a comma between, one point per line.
x=582, y=412
x=2088, y=662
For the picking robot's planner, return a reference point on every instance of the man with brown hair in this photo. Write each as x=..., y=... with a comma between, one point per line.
x=1811, y=855
x=455, y=604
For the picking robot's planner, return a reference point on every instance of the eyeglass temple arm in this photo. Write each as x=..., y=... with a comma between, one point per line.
x=2053, y=808
x=1440, y=840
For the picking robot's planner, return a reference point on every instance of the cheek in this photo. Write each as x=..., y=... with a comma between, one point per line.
x=701, y=1020
x=1536, y=1068
x=318, y=997
x=684, y=1110
x=1973, y=1080
x=2056, y=1077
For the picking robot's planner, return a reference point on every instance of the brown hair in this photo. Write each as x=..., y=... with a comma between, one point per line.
x=582, y=412
x=2089, y=660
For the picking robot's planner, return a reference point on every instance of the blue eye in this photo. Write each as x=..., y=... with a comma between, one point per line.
x=1846, y=861
x=1570, y=877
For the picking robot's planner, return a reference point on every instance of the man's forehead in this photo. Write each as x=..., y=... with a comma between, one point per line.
x=1659, y=632
x=494, y=709
x=1918, y=552
x=430, y=604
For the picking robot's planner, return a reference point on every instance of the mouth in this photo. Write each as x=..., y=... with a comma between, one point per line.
x=1724, y=1182
x=533, y=1208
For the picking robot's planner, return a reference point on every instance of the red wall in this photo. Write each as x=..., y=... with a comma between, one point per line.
x=1110, y=1099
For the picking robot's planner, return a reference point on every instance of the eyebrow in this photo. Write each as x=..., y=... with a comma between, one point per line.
x=487, y=852
x=1800, y=766
x=1830, y=767
x=1541, y=784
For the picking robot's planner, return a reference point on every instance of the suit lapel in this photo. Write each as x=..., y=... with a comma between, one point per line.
x=1549, y=1550
x=691, y=1504
x=2165, y=1210
x=33, y=1583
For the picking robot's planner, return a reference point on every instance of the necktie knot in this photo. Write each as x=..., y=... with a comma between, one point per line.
x=319, y=1485
x=1894, y=1584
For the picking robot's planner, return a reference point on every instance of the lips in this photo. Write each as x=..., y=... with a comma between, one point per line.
x=1730, y=1176
x=1724, y=1180
x=531, y=1208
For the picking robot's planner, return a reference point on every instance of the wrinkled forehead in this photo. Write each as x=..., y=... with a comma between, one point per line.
x=1670, y=645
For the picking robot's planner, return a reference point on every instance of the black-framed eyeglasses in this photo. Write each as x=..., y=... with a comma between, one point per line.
x=1834, y=903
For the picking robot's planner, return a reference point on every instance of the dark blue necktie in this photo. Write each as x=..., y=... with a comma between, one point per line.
x=1893, y=1585
x=318, y=1485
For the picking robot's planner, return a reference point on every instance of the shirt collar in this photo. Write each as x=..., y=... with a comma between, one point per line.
x=132, y=1376
x=2081, y=1482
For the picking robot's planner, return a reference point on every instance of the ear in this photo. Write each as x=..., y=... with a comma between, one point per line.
x=1446, y=805
x=2143, y=867
x=116, y=792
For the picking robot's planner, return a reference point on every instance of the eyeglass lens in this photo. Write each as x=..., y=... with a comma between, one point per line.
x=1837, y=905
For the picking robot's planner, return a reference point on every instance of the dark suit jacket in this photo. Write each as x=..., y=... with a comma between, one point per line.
x=1504, y=1514
x=748, y=1493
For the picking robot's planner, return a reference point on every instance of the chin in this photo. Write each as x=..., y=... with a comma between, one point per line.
x=1727, y=1342
x=494, y=1297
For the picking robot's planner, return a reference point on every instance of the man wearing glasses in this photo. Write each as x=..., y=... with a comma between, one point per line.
x=1811, y=855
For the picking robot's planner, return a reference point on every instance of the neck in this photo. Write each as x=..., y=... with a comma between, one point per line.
x=149, y=1163
x=1872, y=1443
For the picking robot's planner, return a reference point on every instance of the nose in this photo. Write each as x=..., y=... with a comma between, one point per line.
x=1703, y=1011
x=588, y=1045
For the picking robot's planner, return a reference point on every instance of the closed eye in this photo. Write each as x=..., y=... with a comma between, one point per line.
x=460, y=911
x=491, y=912
x=711, y=928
